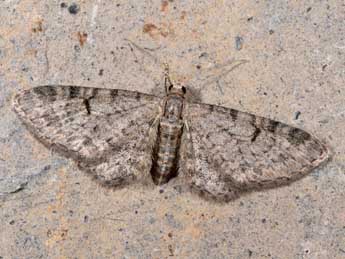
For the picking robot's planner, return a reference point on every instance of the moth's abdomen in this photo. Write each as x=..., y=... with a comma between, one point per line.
x=166, y=152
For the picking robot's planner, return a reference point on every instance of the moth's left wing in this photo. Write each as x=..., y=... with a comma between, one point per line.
x=235, y=151
x=105, y=130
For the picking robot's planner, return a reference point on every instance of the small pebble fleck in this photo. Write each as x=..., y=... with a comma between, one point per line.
x=324, y=121
x=100, y=73
x=238, y=42
x=250, y=253
x=73, y=8
x=63, y=5
x=11, y=222
x=76, y=48
x=46, y=168
x=25, y=69
x=297, y=114
x=178, y=188
x=203, y=55
x=82, y=37
x=271, y=32
x=171, y=250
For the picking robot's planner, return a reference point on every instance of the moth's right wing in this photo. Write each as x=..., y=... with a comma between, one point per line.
x=105, y=130
x=234, y=152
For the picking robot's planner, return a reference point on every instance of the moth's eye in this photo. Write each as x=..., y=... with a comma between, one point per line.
x=184, y=90
x=170, y=87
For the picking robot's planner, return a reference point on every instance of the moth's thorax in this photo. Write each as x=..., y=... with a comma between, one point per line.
x=173, y=107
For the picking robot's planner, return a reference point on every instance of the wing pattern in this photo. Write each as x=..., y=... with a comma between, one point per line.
x=111, y=132
x=236, y=151
x=105, y=130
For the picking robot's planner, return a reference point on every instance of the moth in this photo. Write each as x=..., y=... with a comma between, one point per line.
x=122, y=137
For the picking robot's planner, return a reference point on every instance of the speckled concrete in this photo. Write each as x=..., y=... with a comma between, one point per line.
x=295, y=74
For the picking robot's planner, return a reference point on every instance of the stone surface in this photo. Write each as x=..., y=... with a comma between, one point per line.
x=295, y=74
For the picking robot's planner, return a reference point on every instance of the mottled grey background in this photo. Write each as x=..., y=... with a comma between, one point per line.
x=295, y=74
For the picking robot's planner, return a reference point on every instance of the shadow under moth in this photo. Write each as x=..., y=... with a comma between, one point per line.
x=121, y=137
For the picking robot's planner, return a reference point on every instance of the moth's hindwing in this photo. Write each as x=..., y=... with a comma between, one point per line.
x=104, y=130
x=236, y=151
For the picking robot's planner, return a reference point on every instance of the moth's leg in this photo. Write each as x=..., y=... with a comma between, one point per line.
x=146, y=163
x=153, y=131
x=186, y=154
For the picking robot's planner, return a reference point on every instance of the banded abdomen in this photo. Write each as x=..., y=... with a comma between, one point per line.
x=165, y=157
x=166, y=150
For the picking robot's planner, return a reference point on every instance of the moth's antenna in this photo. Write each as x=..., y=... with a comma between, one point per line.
x=222, y=72
x=167, y=81
x=144, y=51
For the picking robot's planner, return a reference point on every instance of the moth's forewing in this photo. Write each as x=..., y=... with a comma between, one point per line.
x=104, y=130
x=236, y=151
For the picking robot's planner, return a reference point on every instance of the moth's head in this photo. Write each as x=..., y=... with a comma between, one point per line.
x=178, y=89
